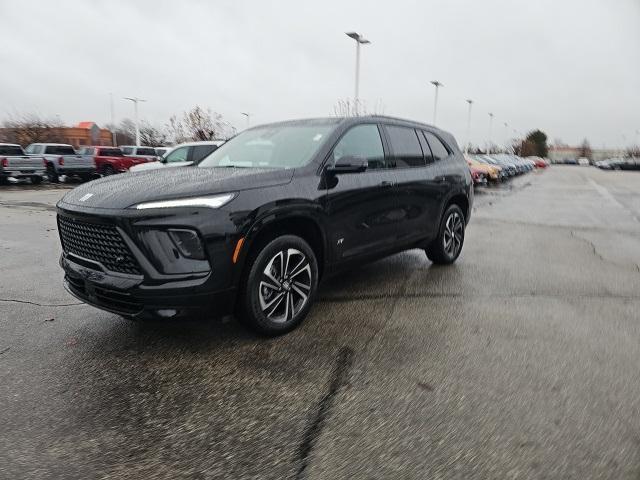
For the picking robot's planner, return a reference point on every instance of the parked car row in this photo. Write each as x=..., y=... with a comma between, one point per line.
x=496, y=168
x=632, y=163
x=53, y=160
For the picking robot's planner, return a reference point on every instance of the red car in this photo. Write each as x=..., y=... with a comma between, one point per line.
x=110, y=160
x=479, y=176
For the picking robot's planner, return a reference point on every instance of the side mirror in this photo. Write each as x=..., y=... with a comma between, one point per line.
x=348, y=165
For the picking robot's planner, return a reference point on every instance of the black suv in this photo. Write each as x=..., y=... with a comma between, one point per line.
x=256, y=225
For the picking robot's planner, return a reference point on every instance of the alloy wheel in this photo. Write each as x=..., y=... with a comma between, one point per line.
x=285, y=285
x=453, y=234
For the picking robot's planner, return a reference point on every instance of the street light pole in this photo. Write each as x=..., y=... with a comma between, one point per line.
x=135, y=101
x=360, y=40
x=466, y=147
x=490, y=131
x=506, y=136
x=248, y=115
x=437, y=84
x=114, y=140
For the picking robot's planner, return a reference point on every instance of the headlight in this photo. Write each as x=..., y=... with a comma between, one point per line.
x=215, y=201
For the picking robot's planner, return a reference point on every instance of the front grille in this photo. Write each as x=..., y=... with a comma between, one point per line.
x=100, y=243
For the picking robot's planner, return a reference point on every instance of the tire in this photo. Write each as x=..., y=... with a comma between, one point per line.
x=36, y=180
x=108, y=170
x=441, y=251
x=273, y=303
x=52, y=175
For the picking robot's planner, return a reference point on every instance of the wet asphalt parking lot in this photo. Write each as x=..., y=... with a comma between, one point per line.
x=520, y=361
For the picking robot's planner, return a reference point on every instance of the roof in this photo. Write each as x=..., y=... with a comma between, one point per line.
x=86, y=125
x=203, y=142
x=9, y=144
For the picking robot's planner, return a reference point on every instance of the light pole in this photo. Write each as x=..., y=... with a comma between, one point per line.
x=114, y=141
x=248, y=115
x=490, y=131
x=506, y=136
x=466, y=147
x=135, y=101
x=437, y=84
x=360, y=40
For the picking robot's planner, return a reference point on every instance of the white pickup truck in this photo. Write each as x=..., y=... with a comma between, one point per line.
x=14, y=163
x=62, y=159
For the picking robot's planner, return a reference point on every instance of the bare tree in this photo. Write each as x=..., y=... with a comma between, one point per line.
x=198, y=124
x=152, y=136
x=585, y=149
x=31, y=128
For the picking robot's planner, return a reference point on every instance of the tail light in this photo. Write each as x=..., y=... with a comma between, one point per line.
x=61, y=161
x=5, y=163
x=44, y=161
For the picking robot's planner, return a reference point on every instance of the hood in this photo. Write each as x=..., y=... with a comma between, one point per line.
x=124, y=190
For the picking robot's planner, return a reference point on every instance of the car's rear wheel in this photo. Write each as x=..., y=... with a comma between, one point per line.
x=108, y=170
x=279, y=286
x=446, y=247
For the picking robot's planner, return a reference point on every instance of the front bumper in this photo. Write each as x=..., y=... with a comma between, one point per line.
x=127, y=295
x=147, y=289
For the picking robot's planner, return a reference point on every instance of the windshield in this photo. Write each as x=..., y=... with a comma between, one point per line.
x=271, y=146
x=11, y=150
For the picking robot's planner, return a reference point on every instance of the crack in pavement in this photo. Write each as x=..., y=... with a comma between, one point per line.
x=592, y=245
x=27, y=302
x=339, y=378
x=5, y=350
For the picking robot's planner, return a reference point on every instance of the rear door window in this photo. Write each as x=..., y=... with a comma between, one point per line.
x=405, y=146
x=437, y=147
x=362, y=141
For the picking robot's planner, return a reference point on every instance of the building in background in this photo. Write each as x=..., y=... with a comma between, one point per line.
x=84, y=133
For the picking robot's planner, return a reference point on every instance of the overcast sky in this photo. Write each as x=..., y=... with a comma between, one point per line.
x=568, y=67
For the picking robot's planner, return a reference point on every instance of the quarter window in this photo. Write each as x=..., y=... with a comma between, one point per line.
x=405, y=146
x=362, y=141
x=437, y=147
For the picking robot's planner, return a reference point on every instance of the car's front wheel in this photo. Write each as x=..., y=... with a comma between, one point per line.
x=446, y=247
x=278, y=289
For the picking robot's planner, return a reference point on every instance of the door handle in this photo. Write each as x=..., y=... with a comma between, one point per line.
x=440, y=179
x=387, y=184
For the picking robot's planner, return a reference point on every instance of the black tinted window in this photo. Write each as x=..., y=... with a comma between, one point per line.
x=146, y=151
x=437, y=147
x=111, y=152
x=11, y=150
x=60, y=150
x=405, y=146
x=362, y=141
x=201, y=151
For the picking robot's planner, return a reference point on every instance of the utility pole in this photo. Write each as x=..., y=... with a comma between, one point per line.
x=466, y=147
x=506, y=136
x=135, y=101
x=360, y=40
x=437, y=84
